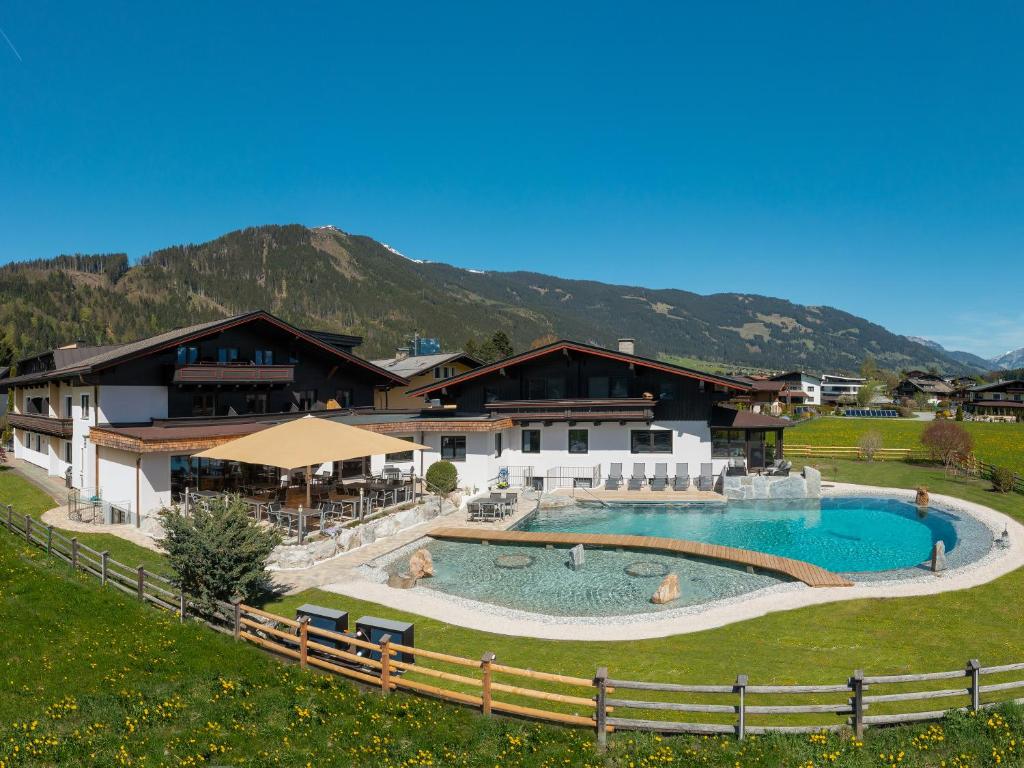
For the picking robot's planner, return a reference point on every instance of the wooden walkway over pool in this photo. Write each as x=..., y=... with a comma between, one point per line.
x=809, y=574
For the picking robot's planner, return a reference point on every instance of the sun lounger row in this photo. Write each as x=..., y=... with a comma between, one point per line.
x=660, y=480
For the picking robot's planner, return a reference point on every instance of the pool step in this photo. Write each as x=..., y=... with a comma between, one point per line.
x=808, y=573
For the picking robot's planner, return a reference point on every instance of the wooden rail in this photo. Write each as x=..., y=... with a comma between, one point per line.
x=603, y=704
x=808, y=573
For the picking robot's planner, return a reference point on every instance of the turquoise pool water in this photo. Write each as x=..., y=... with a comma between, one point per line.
x=846, y=535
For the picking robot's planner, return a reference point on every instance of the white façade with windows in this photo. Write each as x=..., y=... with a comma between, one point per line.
x=547, y=450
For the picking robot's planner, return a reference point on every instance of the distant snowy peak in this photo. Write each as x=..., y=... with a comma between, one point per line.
x=327, y=228
x=399, y=253
x=477, y=271
x=1012, y=359
x=927, y=343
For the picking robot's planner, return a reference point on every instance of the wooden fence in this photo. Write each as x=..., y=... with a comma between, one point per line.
x=602, y=703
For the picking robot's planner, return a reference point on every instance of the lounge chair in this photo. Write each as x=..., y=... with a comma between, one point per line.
x=614, y=479
x=638, y=478
x=782, y=470
x=737, y=467
x=660, y=480
x=706, y=480
x=681, y=481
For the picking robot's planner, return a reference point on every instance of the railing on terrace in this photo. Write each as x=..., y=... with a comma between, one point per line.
x=603, y=703
x=572, y=477
x=88, y=507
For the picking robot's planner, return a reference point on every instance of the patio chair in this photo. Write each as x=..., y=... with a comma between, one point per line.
x=737, y=467
x=681, y=481
x=638, y=478
x=783, y=469
x=501, y=501
x=614, y=479
x=660, y=480
x=706, y=480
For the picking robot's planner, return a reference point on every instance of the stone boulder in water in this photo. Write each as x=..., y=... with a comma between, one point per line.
x=667, y=591
x=421, y=564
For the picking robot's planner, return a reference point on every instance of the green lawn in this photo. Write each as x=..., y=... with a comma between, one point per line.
x=90, y=678
x=1000, y=444
x=28, y=499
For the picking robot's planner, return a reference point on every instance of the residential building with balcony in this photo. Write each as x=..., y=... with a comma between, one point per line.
x=1001, y=401
x=840, y=389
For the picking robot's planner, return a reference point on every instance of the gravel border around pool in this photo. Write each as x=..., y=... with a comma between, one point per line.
x=782, y=597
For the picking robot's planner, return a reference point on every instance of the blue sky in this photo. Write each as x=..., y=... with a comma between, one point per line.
x=868, y=156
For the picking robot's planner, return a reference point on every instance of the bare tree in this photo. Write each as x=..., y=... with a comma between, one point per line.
x=947, y=442
x=870, y=443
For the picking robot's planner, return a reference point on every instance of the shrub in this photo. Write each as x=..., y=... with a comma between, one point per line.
x=959, y=413
x=869, y=444
x=218, y=552
x=1002, y=480
x=947, y=442
x=905, y=412
x=442, y=477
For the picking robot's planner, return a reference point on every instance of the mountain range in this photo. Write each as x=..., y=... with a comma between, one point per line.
x=327, y=279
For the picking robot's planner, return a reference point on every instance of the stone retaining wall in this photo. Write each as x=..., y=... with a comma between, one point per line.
x=803, y=486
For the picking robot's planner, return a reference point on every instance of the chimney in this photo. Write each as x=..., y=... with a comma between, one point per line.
x=627, y=346
x=401, y=353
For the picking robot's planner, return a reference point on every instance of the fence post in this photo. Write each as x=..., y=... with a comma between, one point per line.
x=49, y=539
x=857, y=684
x=28, y=528
x=103, y=567
x=74, y=554
x=485, y=678
x=303, y=641
x=142, y=583
x=182, y=604
x=974, y=670
x=385, y=664
x=600, y=708
x=237, y=603
x=741, y=722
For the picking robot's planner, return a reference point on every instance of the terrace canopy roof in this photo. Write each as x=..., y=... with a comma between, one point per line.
x=307, y=442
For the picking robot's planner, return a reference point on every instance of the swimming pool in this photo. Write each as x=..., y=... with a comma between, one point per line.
x=844, y=535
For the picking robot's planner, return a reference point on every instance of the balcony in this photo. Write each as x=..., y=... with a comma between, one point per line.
x=576, y=409
x=233, y=373
x=44, y=425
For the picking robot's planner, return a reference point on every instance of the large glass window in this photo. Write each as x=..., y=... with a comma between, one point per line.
x=85, y=406
x=453, y=447
x=608, y=386
x=263, y=357
x=401, y=455
x=204, y=404
x=188, y=355
x=650, y=441
x=256, y=402
x=345, y=398
x=579, y=441
x=227, y=355
x=545, y=388
x=728, y=444
x=307, y=399
x=531, y=441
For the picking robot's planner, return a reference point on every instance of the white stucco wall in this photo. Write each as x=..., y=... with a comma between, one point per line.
x=118, y=476
x=126, y=405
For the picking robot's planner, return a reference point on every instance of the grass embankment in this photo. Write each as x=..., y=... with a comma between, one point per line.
x=93, y=678
x=999, y=444
x=28, y=499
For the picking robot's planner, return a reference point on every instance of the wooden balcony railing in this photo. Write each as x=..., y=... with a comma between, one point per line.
x=234, y=373
x=45, y=425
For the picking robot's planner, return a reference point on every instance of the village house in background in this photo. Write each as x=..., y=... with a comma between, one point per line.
x=934, y=387
x=1001, y=401
x=421, y=362
x=840, y=389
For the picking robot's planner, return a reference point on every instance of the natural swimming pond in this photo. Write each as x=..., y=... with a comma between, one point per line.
x=838, y=534
x=868, y=539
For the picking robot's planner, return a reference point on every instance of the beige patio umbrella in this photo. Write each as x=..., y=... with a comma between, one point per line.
x=307, y=442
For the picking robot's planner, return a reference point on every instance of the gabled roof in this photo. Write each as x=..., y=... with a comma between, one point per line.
x=792, y=374
x=124, y=352
x=929, y=386
x=731, y=418
x=587, y=349
x=997, y=385
x=414, y=365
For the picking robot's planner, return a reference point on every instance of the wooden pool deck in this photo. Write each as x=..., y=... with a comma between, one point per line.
x=809, y=574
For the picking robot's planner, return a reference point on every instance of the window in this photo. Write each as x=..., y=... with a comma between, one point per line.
x=263, y=357
x=550, y=388
x=227, y=355
x=204, y=404
x=728, y=443
x=67, y=406
x=497, y=445
x=444, y=372
x=401, y=455
x=810, y=387
x=67, y=452
x=531, y=441
x=608, y=386
x=453, y=447
x=85, y=406
x=256, y=402
x=579, y=441
x=188, y=355
x=650, y=441
x=307, y=399
x=345, y=398
x=39, y=443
